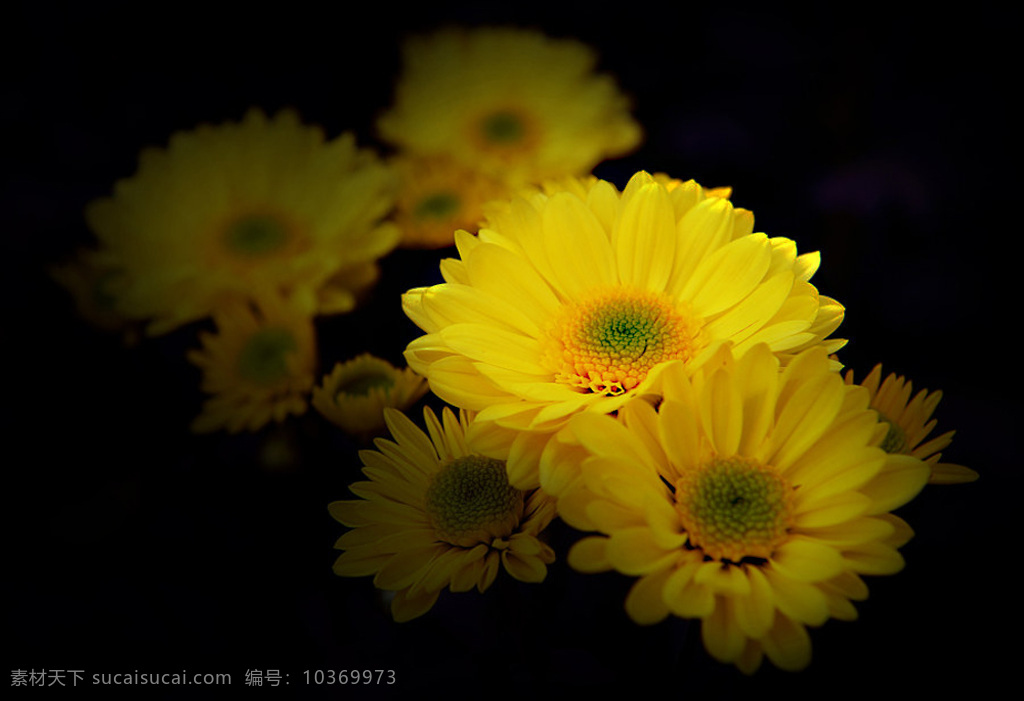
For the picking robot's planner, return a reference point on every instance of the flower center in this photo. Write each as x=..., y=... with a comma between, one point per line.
x=734, y=507
x=470, y=501
x=440, y=205
x=103, y=295
x=362, y=384
x=264, y=358
x=609, y=343
x=255, y=235
x=503, y=128
x=895, y=440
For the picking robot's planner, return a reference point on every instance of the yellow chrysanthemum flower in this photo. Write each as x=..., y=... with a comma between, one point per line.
x=437, y=197
x=573, y=301
x=909, y=422
x=355, y=394
x=509, y=102
x=258, y=366
x=94, y=281
x=435, y=513
x=262, y=203
x=751, y=499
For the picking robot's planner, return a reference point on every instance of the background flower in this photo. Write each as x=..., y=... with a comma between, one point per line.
x=355, y=393
x=509, y=102
x=262, y=202
x=910, y=422
x=258, y=365
x=438, y=196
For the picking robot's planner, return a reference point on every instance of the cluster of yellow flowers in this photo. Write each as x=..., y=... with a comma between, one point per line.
x=260, y=226
x=479, y=114
x=667, y=376
x=640, y=363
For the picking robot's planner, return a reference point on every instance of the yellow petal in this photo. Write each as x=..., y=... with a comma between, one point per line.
x=407, y=606
x=645, y=239
x=525, y=568
x=899, y=481
x=722, y=636
x=504, y=349
x=755, y=612
x=644, y=603
x=589, y=555
x=807, y=560
x=788, y=645
x=728, y=275
x=575, y=238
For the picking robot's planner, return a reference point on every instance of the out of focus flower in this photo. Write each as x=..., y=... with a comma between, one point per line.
x=355, y=394
x=573, y=301
x=909, y=423
x=94, y=282
x=263, y=203
x=510, y=102
x=436, y=514
x=752, y=499
x=438, y=196
x=258, y=366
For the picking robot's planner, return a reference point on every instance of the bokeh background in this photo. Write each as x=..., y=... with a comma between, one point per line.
x=881, y=136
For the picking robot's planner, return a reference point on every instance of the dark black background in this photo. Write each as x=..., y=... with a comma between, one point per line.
x=881, y=136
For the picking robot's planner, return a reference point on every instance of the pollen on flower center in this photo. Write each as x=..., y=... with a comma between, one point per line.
x=264, y=357
x=470, y=501
x=255, y=235
x=608, y=344
x=734, y=507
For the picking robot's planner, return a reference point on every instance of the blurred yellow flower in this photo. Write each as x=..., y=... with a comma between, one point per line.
x=436, y=514
x=258, y=366
x=573, y=301
x=751, y=499
x=909, y=422
x=355, y=394
x=94, y=282
x=438, y=196
x=263, y=203
x=510, y=102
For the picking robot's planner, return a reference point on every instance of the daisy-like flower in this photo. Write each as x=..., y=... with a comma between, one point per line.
x=94, y=281
x=751, y=499
x=572, y=301
x=435, y=514
x=258, y=366
x=355, y=394
x=262, y=203
x=437, y=197
x=509, y=102
x=909, y=422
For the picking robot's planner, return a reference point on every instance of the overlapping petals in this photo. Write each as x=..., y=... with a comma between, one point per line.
x=573, y=298
x=778, y=467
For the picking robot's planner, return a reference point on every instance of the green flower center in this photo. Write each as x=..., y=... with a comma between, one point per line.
x=103, y=295
x=441, y=205
x=503, y=128
x=734, y=507
x=609, y=344
x=256, y=235
x=895, y=440
x=363, y=384
x=264, y=358
x=470, y=501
